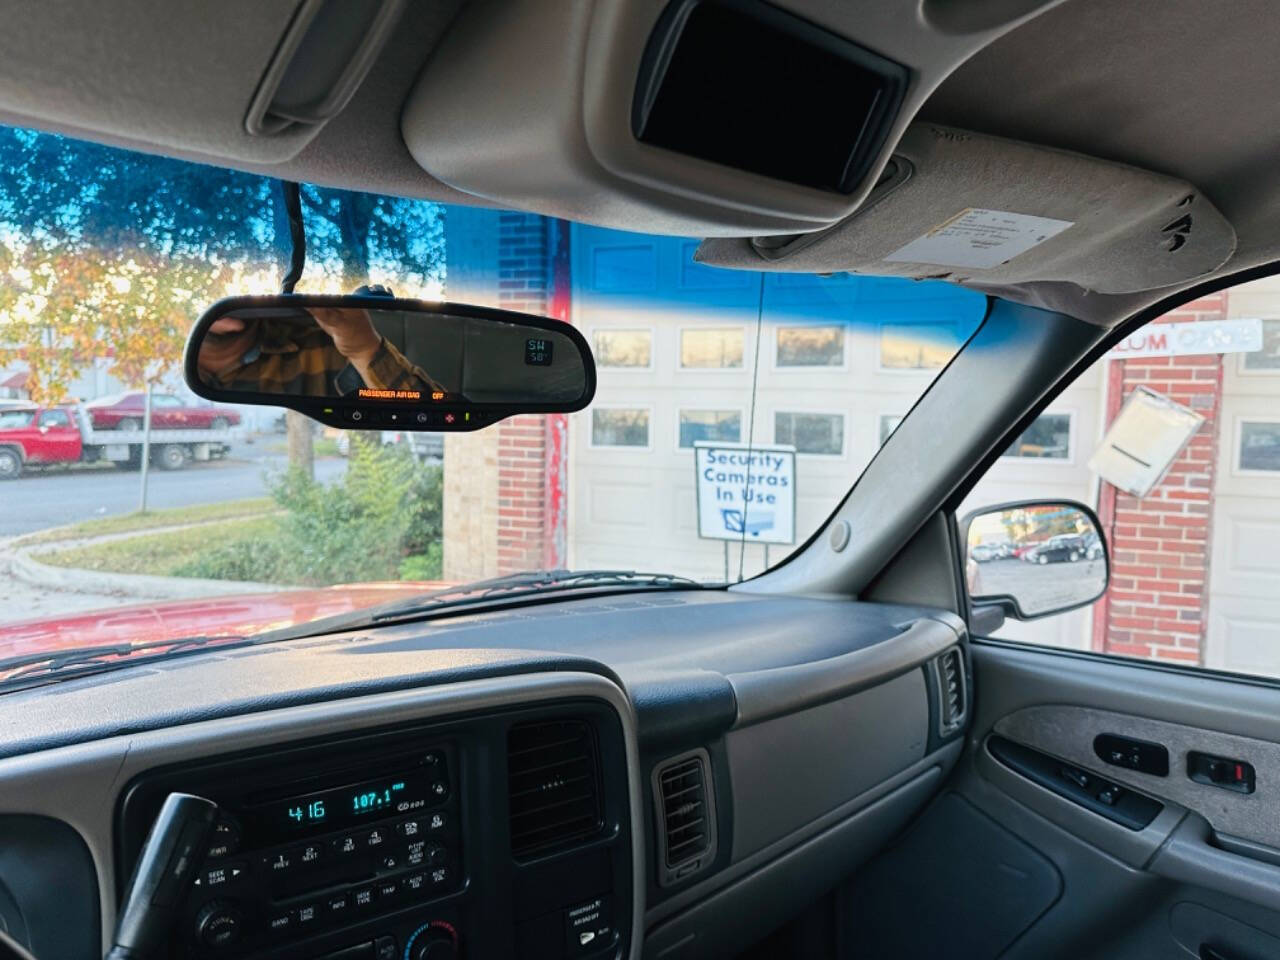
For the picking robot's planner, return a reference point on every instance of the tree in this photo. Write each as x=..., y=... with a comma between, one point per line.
x=116, y=252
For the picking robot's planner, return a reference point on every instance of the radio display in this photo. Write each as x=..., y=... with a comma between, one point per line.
x=387, y=795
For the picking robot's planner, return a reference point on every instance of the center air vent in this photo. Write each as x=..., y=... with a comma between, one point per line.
x=686, y=809
x=554, y=786
x=952, y=693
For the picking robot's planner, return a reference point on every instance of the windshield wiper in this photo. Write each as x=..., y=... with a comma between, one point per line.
x=529, y=582
x=29, y=666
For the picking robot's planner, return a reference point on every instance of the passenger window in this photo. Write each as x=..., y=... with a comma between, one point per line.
x=55, y=418
x=1191, y=527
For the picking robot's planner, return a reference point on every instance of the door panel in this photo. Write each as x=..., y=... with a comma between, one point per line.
x=1203, y=875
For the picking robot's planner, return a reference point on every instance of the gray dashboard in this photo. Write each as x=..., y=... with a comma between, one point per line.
x=818, y=719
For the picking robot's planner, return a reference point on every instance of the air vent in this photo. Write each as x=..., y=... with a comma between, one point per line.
x=952, y=705
x=686, y=809
x=554, y=786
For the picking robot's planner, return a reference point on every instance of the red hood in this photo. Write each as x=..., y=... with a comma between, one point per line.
x=240, y=614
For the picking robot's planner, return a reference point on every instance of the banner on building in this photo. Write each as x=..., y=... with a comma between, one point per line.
x=1143, y=441
x=746, y=492
x=1242, y=335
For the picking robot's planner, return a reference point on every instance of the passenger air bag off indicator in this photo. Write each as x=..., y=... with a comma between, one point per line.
x=589, y=926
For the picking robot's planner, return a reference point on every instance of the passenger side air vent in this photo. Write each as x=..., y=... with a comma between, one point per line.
x=553, y=786
x=686, y=812
x=952, y=691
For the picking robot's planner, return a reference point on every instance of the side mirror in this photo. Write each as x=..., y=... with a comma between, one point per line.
x=1034, y=558
x=377, y=361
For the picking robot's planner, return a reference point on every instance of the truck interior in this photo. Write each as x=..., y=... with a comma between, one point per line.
x=834, y=758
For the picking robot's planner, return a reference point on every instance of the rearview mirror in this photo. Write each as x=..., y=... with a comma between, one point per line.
x=1034, y=558
x=375, y=361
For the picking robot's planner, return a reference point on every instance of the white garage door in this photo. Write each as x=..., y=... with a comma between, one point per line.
x=1244, y=576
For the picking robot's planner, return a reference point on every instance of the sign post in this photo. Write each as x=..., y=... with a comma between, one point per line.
x=746, y=493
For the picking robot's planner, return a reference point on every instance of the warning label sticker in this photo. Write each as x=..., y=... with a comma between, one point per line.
x=979, y=238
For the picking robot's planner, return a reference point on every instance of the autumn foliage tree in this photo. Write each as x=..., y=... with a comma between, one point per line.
x=111, y=255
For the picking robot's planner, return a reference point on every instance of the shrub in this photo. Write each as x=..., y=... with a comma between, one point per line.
x=386, y=508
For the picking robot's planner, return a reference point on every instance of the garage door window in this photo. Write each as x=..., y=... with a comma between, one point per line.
x=816, y=433
x=620, y=427
x=810, y=347
x=724, y=426
x=1191, y=525
x=1259, y=446
x=888, y=424
x=1048, y=438
x=1268, y=358
x=713, y=348
x=917, y=346
x=623, y=349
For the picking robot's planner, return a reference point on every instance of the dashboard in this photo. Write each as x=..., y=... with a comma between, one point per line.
x=544, y=781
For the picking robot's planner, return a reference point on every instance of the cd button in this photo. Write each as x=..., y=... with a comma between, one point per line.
x=307, y=914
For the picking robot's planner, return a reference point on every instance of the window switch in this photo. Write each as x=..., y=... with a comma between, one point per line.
x=1109, y=794
x=1076, y=776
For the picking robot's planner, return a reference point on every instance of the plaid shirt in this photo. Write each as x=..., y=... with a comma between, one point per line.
x=288, y=361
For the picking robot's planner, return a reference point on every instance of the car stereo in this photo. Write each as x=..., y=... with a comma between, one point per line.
x=340, y=846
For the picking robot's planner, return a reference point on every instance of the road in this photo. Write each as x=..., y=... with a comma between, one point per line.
x=36, y=501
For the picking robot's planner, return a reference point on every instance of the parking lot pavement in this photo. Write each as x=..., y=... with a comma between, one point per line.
x=1038, y=587
x=39, y=500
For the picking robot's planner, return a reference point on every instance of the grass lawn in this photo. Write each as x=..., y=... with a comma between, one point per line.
x=163, y=553
x=129, y=522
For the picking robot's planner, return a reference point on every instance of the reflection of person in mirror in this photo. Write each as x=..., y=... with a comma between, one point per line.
x=337, y=357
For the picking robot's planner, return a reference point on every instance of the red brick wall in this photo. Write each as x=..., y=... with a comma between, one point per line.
x=1160, y=544
x=524, y=284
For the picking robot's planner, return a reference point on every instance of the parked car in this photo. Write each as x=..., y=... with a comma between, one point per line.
x=125, y=411
x=39, y=436
x=1069, y=547
x=985, y=552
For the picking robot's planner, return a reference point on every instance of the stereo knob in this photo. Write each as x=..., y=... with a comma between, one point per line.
x=436, y=940
x=219, y=924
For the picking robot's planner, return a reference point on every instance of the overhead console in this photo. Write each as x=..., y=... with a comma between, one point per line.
x=969, y=207
x=711, y=117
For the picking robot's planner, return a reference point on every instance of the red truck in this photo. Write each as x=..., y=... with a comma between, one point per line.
x=36, y=436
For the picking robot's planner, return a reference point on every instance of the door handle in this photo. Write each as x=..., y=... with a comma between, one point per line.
x=1188, y=856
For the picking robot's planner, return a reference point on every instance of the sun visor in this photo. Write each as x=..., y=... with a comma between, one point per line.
x=967, y=207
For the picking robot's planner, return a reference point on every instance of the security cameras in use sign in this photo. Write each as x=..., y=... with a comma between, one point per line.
x=746, y=492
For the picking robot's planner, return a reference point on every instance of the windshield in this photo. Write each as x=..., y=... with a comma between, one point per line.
x=734, y=409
